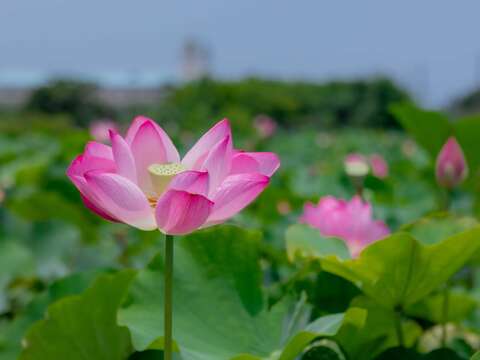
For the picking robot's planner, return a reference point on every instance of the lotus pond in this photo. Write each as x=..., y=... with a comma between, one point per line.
x=331, y=244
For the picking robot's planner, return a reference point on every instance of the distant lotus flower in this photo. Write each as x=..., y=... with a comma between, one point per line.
x=409, y=148
x=99, y=130
x=356, y=165
x=265, y=126
x=379, y=166
x=140, y=180
x=283, y=207
x=451, y=166
x=348, y=220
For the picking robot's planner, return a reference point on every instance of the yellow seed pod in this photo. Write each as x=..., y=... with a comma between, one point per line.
x=162, y=174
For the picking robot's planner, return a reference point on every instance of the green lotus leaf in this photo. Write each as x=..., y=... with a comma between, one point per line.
x=83, y=326
x=220, y=310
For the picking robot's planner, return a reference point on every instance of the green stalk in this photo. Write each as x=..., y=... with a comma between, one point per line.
x=444, y=316
x=358, y=184
x=168, y=314
x=447, y=205
x=398, y=327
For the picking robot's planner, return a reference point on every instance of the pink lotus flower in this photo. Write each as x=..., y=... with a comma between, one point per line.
x=265, y=126
x=451, y=167
x=100, y=130
x=379, y=166
x=348, y=220
x=140, y=180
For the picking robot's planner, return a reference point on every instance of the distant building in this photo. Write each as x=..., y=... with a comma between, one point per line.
x=195, y=60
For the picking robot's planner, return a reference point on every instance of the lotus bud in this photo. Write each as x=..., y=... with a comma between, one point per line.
x=379, y=166
x=451, y=166
x=265, y=126
x=356, y=165
x=99, y=130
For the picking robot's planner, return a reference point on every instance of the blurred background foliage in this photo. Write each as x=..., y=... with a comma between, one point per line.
x=292, y=104
x=360, y=103
x=46, y=234
x=74, y=98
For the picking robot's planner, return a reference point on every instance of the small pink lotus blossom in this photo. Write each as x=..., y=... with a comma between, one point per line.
x=379, y=166
x=348, y=220
x=141, y=180
x=99, y=130
x=265, y=126
x=451, y=167
x=356, y=165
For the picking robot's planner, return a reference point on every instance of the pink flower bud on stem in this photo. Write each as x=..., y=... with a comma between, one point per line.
x=451, y=167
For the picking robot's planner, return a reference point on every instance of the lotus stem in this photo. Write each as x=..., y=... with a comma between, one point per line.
x=398, y=327
x=445, y=316
x=168, y=314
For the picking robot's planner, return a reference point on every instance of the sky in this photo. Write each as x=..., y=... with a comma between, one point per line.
x=430, y=46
